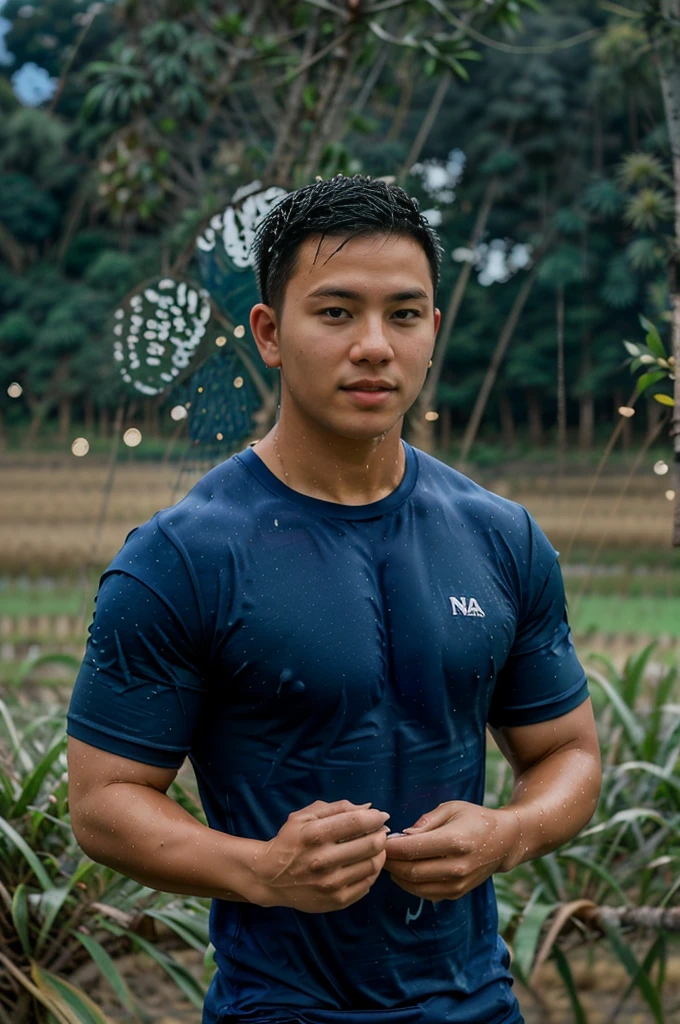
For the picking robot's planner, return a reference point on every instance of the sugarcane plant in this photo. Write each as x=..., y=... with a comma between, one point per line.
x=59, y=910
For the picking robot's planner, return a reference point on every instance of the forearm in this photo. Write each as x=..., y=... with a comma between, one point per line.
x=145, y=835
x=550, y=804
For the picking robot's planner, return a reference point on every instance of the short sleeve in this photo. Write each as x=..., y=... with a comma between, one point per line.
x=141, y=685
x=542, y=677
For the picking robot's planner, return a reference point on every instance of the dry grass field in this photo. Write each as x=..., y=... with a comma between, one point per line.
x=50, y=508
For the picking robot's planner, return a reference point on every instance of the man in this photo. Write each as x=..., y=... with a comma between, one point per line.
x=329, y=620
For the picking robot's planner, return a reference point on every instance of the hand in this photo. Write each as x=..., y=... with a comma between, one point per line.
x=325, y=857
x=457, y=848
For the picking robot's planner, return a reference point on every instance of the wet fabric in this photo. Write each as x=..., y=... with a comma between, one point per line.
x=298, y=650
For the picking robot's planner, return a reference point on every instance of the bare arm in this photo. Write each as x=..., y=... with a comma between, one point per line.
x=558, y=777
x=122, y=817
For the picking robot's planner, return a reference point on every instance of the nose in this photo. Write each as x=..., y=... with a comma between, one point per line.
x=372, y=341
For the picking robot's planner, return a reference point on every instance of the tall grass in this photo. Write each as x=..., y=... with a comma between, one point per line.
x=620, y=873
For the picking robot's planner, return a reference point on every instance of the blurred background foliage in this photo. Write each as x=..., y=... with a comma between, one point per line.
x=535, y=137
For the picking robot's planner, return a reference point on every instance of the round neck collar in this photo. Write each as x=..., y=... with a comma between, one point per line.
x=252, y=461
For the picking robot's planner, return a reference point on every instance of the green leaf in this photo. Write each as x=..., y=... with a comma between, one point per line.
x=635, y=970
x=647, y=379
x=664, y=399
x=51, y=902
x=20, y=917
x=633, y=673
x=634, y=350
x=109, y=971
x=591, y=864
x=632, y=727
x=36, y=778
x=653, y=338
x=310, y=96
x=28, y=854
x=70, y=999
x=26, y=762
x=181, y=976
x=528, y=933
x=566, y=975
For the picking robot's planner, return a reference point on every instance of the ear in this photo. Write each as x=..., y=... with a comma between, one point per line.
x=266, y=334
x=437, y=320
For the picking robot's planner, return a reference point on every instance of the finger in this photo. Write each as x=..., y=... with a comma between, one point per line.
x=418, y=846
x=425, y=871
x=321, y=809
x=349, y=824
x=440, y=815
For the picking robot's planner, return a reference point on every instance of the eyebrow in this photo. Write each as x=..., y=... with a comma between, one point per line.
x=346, y=293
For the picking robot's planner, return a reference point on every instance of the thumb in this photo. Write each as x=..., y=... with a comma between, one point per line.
x=433, y=819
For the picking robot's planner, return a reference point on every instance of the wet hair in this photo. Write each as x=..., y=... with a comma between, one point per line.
x=359, y=206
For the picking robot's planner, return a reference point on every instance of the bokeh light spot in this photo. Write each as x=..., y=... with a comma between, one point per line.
x=132, y=437
x=80, y=446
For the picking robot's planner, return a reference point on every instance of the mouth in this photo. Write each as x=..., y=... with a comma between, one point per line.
x=367, y=397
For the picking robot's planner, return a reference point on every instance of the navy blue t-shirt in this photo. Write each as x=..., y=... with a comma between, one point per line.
x=298, y=650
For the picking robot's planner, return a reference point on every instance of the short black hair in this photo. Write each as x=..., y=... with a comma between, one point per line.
x=356, y=206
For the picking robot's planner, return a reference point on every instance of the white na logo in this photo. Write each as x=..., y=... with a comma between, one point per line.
x=466, y=606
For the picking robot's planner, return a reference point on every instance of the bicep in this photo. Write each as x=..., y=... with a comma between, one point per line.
x=91, y=769
x=526, y=745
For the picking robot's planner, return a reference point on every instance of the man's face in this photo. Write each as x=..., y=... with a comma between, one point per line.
x=324, y=342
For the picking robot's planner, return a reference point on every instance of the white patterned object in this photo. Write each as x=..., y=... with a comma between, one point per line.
x=157, y=331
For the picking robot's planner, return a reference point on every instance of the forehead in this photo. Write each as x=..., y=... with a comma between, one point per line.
x=379, y=260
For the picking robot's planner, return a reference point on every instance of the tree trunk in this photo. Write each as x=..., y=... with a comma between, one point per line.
x=627, y=428
x=407, y=80
x=535, y=416
x=420, y=429
x=104, y=422
x=285, y=148
x=653, y=417
x=497, y=358
x=507, y=418
x=38, y=411
x=667, y=52
x=333, y=103
x=586, y=422
x=88, y=416
x=64, y=418
x=428, y=123
x=561, y=384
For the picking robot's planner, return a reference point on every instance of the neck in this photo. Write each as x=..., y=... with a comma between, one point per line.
x=333, y=468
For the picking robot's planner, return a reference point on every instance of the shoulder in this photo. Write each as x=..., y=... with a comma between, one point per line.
x=446, y=484
x=180, y=546
x=498, y=528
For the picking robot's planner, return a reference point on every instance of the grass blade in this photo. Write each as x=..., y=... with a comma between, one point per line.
x=635, y=970
x=24, y=849
x=20, y=917
x=566, y=975
x=631, y=726
x=74, y=1004
x=109, y=971
x=36, y=779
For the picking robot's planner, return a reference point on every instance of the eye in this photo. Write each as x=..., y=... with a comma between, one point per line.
x=332, y=309
x=340, y=309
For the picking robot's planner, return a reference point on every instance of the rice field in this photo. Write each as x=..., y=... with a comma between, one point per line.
x=56, y=518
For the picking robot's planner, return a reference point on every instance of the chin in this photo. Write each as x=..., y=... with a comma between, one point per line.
x=372, y=427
